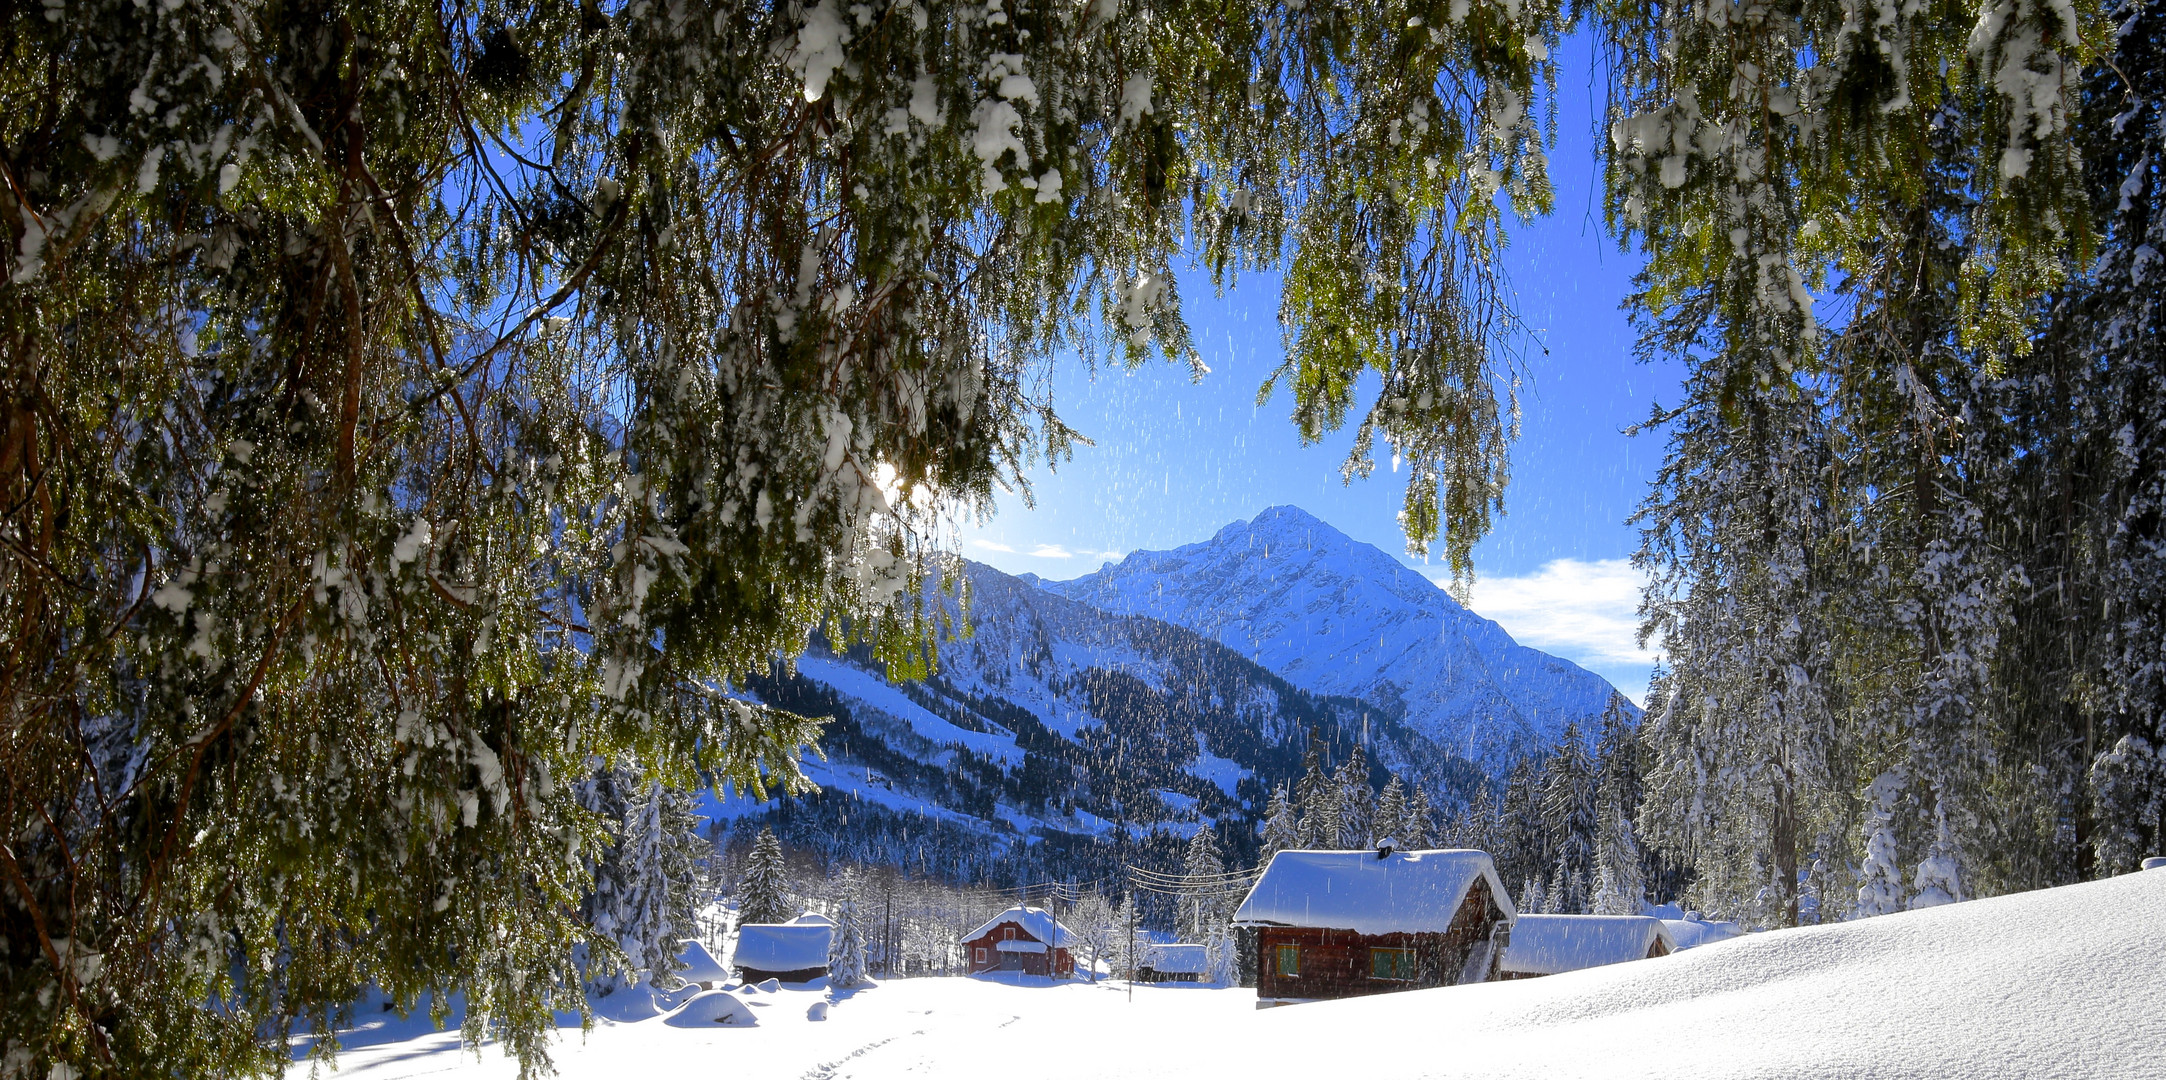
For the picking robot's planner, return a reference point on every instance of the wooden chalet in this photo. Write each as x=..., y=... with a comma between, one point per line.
x=1021, y=940
x=1172, y=963
x=790, y=952
x=1334, y=924
x=1551, y=944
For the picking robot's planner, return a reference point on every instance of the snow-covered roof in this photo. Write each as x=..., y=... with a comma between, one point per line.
x=700, y=965
x=1404, y=892
x=1689, y=933
x=1035, y=921
x=1019, y=946
x=782, y=946
x=1548, y=944
x=812, y=918
x=1176, y=959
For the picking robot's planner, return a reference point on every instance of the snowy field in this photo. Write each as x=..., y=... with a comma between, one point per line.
x=2064, y=982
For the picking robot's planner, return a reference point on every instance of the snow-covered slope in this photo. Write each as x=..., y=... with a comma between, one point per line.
x=1340, y=617
x=2059, y=983
x=1056, y=717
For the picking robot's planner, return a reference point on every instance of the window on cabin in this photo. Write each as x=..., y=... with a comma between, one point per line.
x=1007, y=933
x=1289, y=960
x=981, y=954
x=1394, y=964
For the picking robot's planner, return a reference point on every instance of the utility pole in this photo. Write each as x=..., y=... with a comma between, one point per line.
x=1131, y=939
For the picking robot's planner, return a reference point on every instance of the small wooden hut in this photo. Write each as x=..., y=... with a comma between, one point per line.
x=1334, y=924
x=1550, y=944
x=791, y=952
x=1172, y=963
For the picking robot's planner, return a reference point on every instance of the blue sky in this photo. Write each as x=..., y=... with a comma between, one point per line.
x=1175, y=461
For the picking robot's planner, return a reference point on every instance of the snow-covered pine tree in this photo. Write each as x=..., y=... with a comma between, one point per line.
x=1620, y=886
x=1281, y=830
x=1568, y=817
x=1476, y=826
x=762, y=888
x=654, y=868
x=509, y=412
x=1203, y=900
x=1389, y=821
x=1218, y=952
x=1357, y=801
x=1534, y=898
x=1939, y=877
x=1880, y=876
x=2126, y=320
x=1523, y=851
x=1418, y=829
x=846, y=967
x=1821, y=575
x=1318, y=797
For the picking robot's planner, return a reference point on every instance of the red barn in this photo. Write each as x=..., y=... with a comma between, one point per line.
x=1333, y=924
x=1024, y=940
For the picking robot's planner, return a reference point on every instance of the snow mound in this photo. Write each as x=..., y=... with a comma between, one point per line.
x=2054, y=983
x=714, y=1008
x=816, y=1012
x=700, y=966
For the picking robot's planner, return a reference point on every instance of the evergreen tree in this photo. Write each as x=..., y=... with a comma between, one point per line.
x=1281, y=831
x=1568, y=817
x=1477, y=828
x=1218, y=951
x=1203, y=900
x=762, y=891
x=1880, y=878
x=1318, y=798
x=1523, y=851
x=1391, y=814
x=1939, y=879
x=1418, y=830
x=1620, y=881
x=846, y=967
x=2124, y=322
x=1357, y=802
x=517, y=394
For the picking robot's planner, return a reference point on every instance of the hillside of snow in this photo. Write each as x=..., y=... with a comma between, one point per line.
x=2057, y=983
x=1339, y=617
x=1058, y=719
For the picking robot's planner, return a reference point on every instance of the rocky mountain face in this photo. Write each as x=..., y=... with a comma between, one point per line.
x=1338, y=617
x=1062, y=737
x=1088, y=722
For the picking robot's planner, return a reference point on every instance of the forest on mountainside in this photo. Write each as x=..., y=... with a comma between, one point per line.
x=418, y=420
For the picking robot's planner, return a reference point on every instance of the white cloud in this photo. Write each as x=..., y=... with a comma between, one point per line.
x=1586, y=612
x=991, y=545
x=1051, y=551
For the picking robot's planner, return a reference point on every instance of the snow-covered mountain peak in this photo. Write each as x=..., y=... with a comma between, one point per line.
x=1336, y=616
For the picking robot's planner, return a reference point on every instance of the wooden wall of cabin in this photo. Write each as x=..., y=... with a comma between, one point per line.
x=1337, y=963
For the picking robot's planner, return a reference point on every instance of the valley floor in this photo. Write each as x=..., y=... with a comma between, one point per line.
x=2066, y=982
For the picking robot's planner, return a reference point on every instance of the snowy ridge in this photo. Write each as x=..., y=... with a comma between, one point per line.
x=1339, y=617
x=1056, y=718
